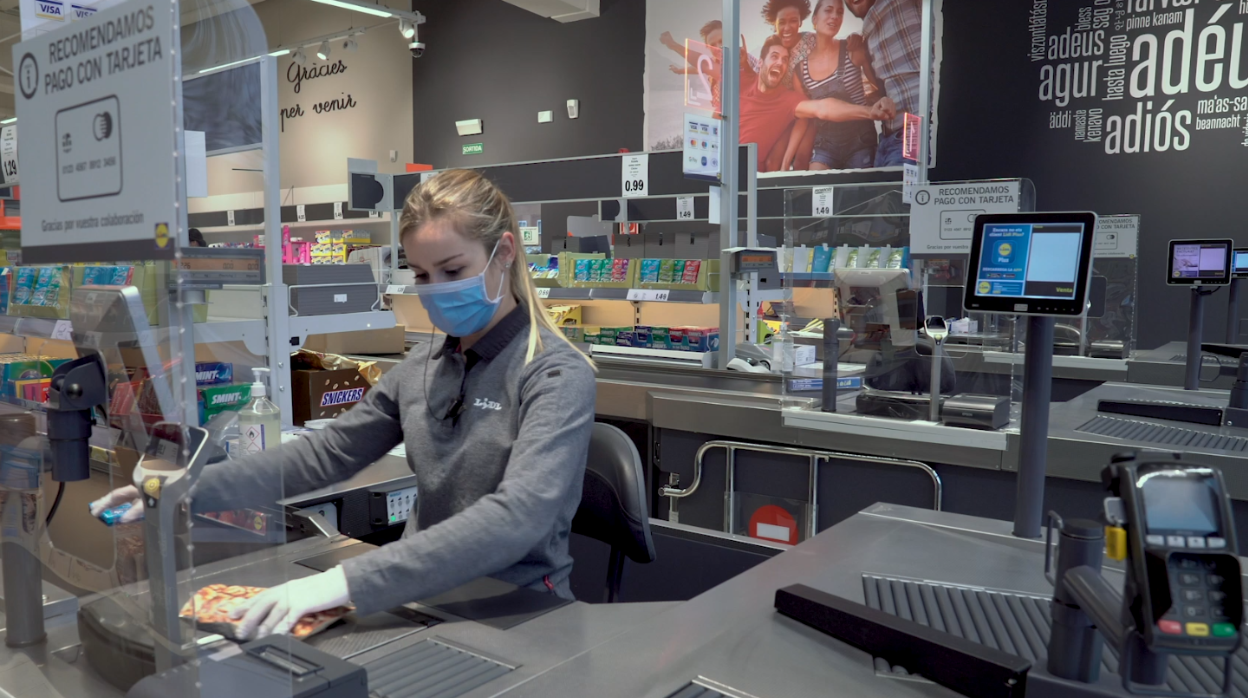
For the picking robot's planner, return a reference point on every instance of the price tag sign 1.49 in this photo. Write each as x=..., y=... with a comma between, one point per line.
x=821, y=202
x=645, y=294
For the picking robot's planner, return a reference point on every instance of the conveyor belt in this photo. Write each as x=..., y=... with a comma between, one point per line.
x=431, y=670
x=1018, y=624
x=1149, y=432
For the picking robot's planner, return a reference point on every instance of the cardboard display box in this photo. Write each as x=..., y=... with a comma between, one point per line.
x=325, y=394
x=366, y=342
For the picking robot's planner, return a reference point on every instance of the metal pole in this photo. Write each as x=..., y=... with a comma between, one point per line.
x=925, y=89
x=1034, y=430
x=278, y=311
x=1195, y=332
x=730, y=158
x=1232, y=313
x=831, y=356
x=933, y=410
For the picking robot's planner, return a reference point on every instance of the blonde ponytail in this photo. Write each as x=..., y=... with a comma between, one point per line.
x=480, y=212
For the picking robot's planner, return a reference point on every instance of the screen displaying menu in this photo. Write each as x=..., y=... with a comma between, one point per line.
x=1199, y=260
x=1030, y=260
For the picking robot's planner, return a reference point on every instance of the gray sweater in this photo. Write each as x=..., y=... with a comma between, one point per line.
x=498, y=473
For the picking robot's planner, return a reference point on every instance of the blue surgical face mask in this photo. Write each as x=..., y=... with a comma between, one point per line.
x=462, y=308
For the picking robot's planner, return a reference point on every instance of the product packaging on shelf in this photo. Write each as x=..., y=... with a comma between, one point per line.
x=41, y=292
x=214, y=373
x=215, y=399
x=324, y=385
x=564, y=314
x=18, y=368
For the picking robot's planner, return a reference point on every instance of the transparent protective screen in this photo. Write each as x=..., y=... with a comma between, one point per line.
x=121, y=373
x=852, y=269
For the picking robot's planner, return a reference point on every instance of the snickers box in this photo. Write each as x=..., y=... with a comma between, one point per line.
x=325, y=394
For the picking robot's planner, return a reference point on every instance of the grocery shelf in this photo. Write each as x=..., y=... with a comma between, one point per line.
x=251, y=332
x=330, y=224
x=606, y=294
x=668, y=357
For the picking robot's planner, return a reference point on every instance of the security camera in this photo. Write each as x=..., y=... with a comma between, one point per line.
x=417, y=48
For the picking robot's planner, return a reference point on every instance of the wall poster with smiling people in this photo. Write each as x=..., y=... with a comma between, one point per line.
x=825, y=84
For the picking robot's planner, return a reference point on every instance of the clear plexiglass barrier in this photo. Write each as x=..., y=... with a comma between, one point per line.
x=871, y=330
x=127, y=536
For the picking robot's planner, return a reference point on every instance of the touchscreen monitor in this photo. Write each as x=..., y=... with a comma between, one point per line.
x=1031, y=263
x=1199, y=262
x=1239, y=264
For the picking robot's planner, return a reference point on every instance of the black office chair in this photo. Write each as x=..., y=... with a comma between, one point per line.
x=613, y=503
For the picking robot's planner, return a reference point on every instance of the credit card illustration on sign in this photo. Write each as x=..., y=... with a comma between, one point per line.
x=88, y=150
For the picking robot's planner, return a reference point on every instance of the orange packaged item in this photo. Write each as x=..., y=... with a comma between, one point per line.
x=210, y=609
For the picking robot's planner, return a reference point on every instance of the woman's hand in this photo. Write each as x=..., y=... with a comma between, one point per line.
x=119, y=496
x=275, y=611
x=884, y=110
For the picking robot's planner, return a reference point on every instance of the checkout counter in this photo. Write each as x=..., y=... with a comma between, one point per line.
x=488, y=638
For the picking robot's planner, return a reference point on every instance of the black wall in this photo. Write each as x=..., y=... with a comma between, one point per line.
x=993, y=125
x=493, y=61
x=490, y=60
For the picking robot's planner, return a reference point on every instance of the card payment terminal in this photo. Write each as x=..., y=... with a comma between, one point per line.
x=1183, y=555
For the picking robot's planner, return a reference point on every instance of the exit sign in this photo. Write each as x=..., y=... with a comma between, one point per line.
x=474, y=148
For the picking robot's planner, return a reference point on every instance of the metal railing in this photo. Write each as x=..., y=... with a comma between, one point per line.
x=814, y=457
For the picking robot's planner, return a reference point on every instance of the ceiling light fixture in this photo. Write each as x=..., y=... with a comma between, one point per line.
x=300, y=57
x=349, y=45
x=323, y=52
x=407, y=29
x=367, y=8
x=9, y=120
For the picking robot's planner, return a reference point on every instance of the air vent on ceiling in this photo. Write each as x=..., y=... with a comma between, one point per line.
x=560, y=10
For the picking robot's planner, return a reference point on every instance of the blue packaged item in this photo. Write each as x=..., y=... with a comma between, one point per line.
x=643, y=338
x=626, y=339
x=650, y=271
x=214, y=373
x=112, y=516
x=822, y=260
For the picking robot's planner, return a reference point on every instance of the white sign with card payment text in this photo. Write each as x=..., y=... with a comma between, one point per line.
x=1117, y=237
x=96, y=106
x=942, y=216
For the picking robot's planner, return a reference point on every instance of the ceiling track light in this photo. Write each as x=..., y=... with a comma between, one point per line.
x=323, y=52
x=349, y=45
x=407, y=28
x=300, y=57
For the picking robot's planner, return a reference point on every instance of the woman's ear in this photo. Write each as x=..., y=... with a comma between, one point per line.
x=507, y=249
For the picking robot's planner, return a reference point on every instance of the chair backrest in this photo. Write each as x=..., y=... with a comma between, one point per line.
x=613, y=502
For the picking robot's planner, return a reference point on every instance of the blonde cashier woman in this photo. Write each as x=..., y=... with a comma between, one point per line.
x=496, y=420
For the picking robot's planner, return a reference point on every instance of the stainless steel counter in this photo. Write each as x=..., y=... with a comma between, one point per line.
x=59, y=668
x=733, y=637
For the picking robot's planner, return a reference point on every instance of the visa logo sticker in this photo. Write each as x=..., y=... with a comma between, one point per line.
x=50, y=9
x=341, y=397
x=80, y=12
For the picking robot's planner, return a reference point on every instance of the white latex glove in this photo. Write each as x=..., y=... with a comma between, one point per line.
x=276, y=610
x=116, y=498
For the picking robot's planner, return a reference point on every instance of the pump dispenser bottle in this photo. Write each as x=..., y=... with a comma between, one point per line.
x=260, y=422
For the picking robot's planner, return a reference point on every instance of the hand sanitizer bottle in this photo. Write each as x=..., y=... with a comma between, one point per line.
x=260, y=422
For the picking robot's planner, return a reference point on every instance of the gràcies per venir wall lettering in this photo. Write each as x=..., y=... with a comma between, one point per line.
x=296, y=73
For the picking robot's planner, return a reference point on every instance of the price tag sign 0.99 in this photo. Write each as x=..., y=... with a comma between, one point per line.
x=636, y=175
x=821, y=202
